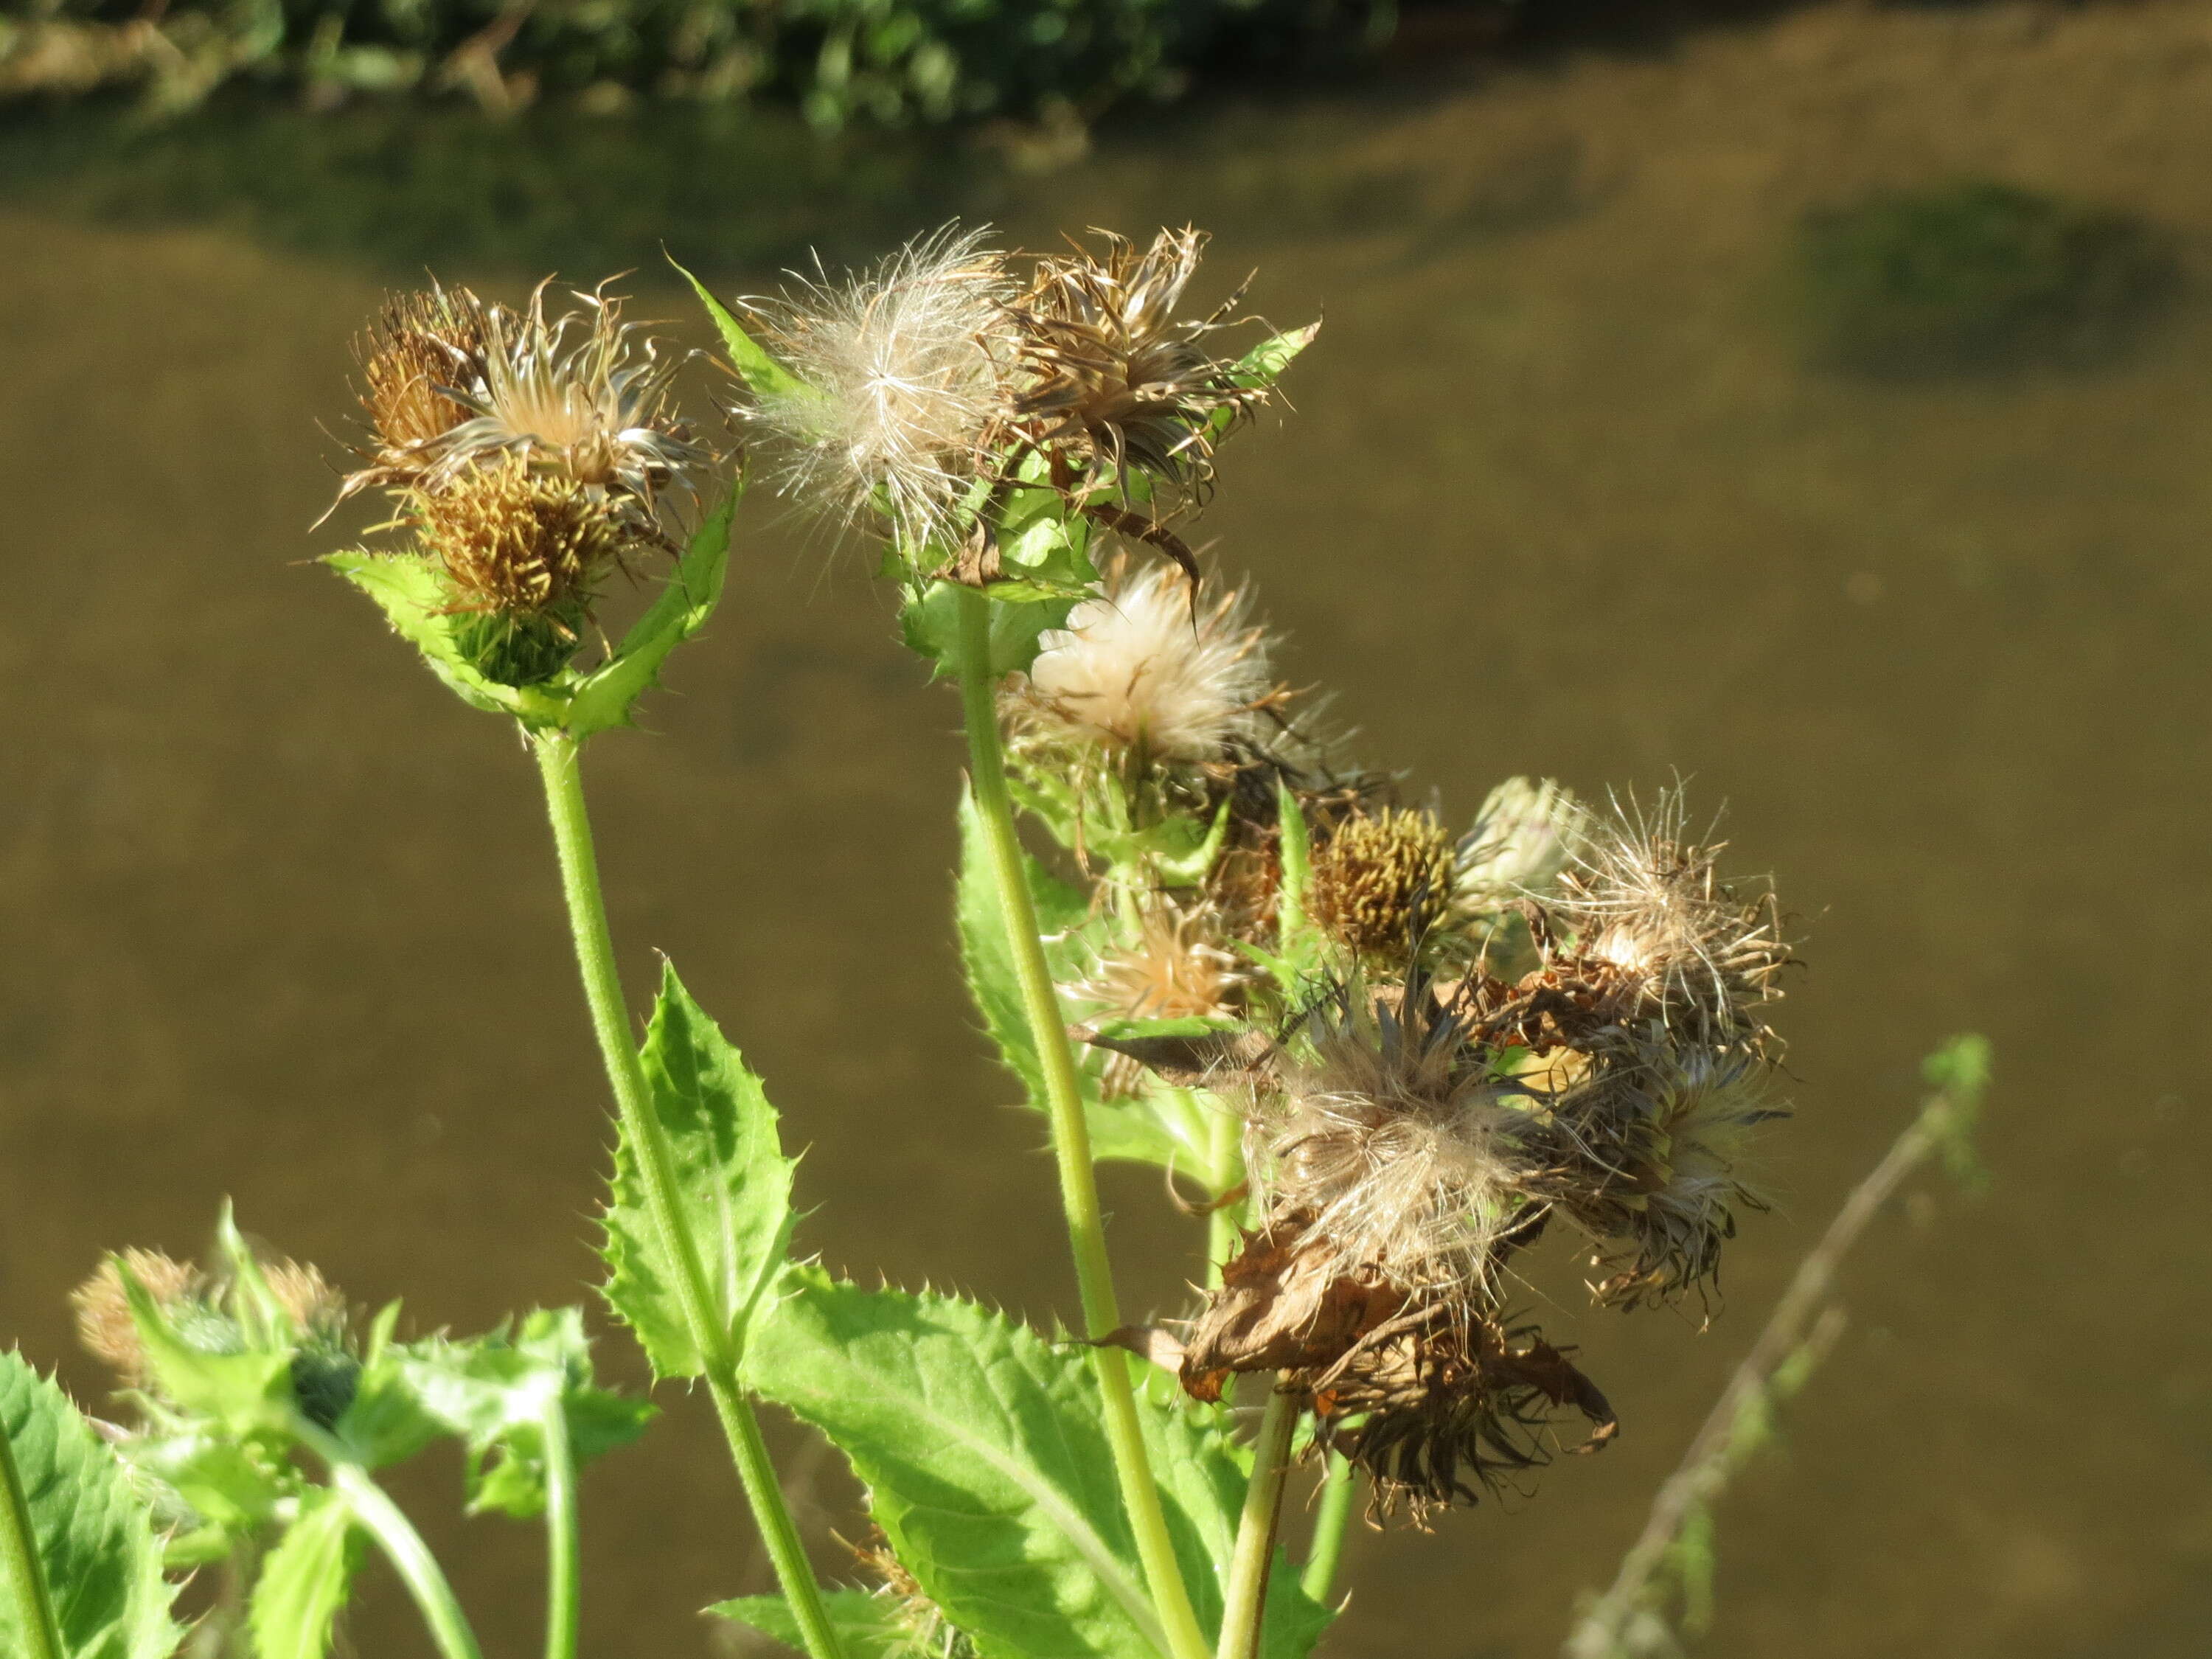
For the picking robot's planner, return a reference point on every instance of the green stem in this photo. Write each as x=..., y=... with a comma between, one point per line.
x=1338, y=1487
x=1071, y=1133
x=562, y=1578
x=1244, y=1602
x=558, y=763
x=19, y=1567
x=1222, y=1235
x=403, y=1546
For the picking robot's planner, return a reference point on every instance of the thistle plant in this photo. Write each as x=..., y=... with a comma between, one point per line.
x=1387, y=1055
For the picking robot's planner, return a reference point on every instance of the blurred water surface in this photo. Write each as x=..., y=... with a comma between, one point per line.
x=1560, y=493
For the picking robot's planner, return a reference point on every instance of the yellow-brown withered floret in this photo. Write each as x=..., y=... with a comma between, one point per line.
x=104, y=1325
x=1383, y=882
x=1175, y=968
x=1112, y=379
x=520, y=543
x=421, y=344
x=455, y=385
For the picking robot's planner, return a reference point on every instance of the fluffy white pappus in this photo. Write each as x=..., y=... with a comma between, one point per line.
x=904, y=376
x=1136, y=671
x=1407, y=1155
x=1640, y=896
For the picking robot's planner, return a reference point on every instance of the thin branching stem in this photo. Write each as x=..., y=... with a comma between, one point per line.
x=1071, y=1133
x=1602, y=1628
x=19, y=1568
x=1245, y=1601
x=563, y=1578
x=371, y=1507
x=558, y=758
x=1332, y=1518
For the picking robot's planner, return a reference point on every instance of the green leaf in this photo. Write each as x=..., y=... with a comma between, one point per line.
x=94, y=1533
x=495, y=1393
x=305, y=1580
x=929, y=623
x=247, y=1393
x=231, y=1485
x=1127, y=1130
x=985, y=1453
x=732, y=1184
x=867, y=1623
x=605, y=697
x=1262, y=365
x=409, y=589
x=761, y=373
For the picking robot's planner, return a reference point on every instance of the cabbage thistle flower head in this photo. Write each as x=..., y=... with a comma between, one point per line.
x=1138, y=674
x=455, y=385
x=902, y=385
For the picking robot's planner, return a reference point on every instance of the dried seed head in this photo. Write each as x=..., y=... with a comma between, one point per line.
x=1640, y=898
x=1113, y=381
x=420, y=344
x=1410, y=1155
x=584, y=397
x=1383, y=882
x=1684, y=1127
x=524, y=553
x=104, y=1324
x=1138, y=673
x=1428, y=1408
x=316, y=1308
x=903, y=374
x=921, y=1624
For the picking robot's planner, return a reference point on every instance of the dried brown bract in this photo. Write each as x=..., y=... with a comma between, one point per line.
x=104, y=1325
x=421, y=344
x=1112, y=380
x=520, y=543
x=1435, y=1406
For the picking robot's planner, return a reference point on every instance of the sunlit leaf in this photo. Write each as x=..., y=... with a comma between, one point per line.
x=732, y=1181
x=94, y=1537
x=605, y=696
x=765, y=376
x=868, y=1627
x=305, y=1581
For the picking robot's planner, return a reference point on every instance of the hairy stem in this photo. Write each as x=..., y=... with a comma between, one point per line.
x=558, y=764
x=1245, y=1601
x=1222, y=1235
x=563, y=1580
x=1071, y=1133
x=1338, y=1487
x=20, y=1570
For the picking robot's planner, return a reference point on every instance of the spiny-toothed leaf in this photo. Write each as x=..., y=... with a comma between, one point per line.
x=305, y=1580
x=929, y=623
x=732, y=1182
x=605, y=696
x=765, y=376
x=407, y=588
x=495, y=1393
x=92, y=1532
x=984, y=1451
x=868, y=1625
x=1133, y=1131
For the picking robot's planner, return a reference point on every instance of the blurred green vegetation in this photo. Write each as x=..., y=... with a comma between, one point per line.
x=890, y=62
x=1976, y=274
x=403, y=188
